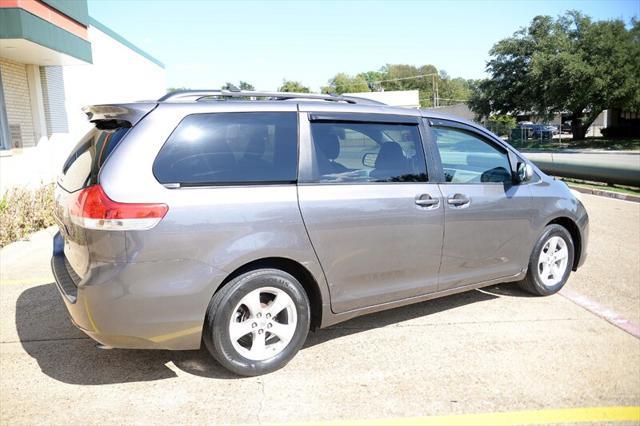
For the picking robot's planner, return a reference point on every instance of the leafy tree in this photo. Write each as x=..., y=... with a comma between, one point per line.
x=372, y=78
x=293, y=87
x=242, y=85
x=409, y=77
x=570, y=64
x=344, y=83
x=175, y=89
x=501, y=124
x=422, y=78
x=505, y=120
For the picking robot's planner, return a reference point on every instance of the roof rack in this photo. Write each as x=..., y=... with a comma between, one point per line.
x=197, y=95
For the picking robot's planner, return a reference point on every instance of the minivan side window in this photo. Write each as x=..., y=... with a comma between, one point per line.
x=367, y=152
x=229, y=148
x=467, y=158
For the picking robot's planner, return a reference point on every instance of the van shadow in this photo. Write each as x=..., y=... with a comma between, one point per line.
x=66, y=354
x=409, y=312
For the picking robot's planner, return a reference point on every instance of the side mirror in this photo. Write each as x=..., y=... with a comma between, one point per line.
x=524, y=172
x=369, y=159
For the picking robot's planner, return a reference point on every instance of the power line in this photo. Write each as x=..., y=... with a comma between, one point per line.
x=456, y=100
x=408, y=78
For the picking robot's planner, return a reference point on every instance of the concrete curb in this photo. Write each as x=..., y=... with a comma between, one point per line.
x=602, y=193
x=576, y=151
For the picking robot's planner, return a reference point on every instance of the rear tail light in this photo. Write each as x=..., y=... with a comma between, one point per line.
x=93, y=209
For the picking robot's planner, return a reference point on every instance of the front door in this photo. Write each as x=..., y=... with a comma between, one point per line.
x=487, y=216
x=375, y=221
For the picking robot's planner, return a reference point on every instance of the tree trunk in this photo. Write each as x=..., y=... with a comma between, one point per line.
x=580, y=123
x=578, y=129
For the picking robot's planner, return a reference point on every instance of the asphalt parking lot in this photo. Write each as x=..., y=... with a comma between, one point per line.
x=489, y=351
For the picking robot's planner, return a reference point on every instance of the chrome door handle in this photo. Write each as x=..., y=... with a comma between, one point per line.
x=425, y=200
x=458, y=200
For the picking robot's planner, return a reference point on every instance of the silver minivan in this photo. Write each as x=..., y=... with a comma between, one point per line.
x=244, y=219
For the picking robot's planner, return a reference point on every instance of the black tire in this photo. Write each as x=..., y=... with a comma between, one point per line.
x=216, y=327
x=532, y=283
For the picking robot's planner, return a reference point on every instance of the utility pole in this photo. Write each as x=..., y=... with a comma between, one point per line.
x=434, y=89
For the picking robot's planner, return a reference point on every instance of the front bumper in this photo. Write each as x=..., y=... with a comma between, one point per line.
x=583, y=225
x=147, y=305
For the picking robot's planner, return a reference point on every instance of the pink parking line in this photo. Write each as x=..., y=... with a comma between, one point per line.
x=611, y=316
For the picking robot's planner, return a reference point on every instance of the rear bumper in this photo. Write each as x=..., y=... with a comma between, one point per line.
x=148, y=305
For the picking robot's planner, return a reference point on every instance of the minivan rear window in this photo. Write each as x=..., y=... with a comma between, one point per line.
x=87, y=157
x=230, y=148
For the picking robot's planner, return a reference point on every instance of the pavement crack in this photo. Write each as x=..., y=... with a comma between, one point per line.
x=457, y=323
x=45, y=340
x=262, y=400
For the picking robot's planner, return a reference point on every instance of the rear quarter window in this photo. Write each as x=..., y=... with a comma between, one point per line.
x=230, y=148
x=87, y=158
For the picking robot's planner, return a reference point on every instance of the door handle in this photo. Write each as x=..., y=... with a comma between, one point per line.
x=425, y=200
x=458, y=200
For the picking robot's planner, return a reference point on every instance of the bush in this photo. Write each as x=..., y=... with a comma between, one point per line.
x=23, y=211
x=501, y=125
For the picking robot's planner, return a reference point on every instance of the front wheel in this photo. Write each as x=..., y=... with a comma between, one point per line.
x=550, y=262
x=257, y=322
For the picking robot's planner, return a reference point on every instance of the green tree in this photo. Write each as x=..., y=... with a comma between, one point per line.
x=404, y=77
x=501, y=124
x=426, y=79
x=569, y=64
x=410, y=77
x=242, y=85
x=344, y=83
x=175, y=89
x=293, y=87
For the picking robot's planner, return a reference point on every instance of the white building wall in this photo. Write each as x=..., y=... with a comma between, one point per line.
x=398, y=98
x=118, y=74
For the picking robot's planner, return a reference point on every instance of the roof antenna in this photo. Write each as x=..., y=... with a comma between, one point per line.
x=233, y=88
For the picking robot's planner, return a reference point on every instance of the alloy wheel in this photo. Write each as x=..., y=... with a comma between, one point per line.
x=553, y=261
x=263, y=323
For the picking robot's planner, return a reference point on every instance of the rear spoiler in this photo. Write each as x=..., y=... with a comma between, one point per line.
x=118, y=115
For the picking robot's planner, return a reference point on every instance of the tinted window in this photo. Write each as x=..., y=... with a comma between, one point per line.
x=467, y=158
x=230, y=148
x=368, y=152
x=83, y=165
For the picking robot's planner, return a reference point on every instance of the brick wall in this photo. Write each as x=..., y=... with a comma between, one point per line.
x=16, y=96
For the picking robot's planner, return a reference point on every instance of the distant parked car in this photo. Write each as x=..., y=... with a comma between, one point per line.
x=544, y=131
x=524, y=129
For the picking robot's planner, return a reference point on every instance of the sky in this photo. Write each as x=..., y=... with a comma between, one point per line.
x=204, y=44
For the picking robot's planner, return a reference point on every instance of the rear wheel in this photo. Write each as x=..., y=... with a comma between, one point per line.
x=257, y=322
x=550, y=262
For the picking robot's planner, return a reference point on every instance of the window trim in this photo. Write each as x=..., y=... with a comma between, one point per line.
x=447, y=124
x=332, y=117
x=308, y=161
x=205, y=184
